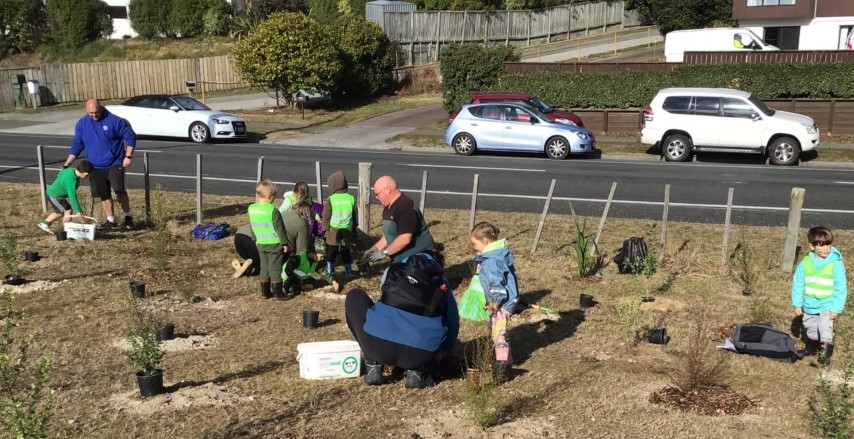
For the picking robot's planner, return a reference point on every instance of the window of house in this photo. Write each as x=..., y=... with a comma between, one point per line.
x=118, y=12
x=785, y=37
x=770, y=2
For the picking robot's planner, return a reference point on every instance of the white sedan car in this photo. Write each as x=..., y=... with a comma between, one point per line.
x=178, y=116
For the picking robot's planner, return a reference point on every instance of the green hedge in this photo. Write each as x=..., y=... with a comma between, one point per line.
x=636, y=89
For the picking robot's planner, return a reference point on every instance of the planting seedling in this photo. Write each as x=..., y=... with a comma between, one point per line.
x=145, y=352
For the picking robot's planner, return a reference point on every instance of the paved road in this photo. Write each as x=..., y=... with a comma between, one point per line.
x=507, y=182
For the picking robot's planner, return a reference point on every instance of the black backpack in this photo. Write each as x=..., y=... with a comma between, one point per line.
x=416, y=285
x=764, y=341
x=631, y=256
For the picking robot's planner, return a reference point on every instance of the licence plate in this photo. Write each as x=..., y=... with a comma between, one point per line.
x=240, y=131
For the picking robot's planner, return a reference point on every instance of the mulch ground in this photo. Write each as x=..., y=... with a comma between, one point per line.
x=709, y=401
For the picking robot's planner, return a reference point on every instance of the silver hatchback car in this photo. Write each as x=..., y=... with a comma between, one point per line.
x=507, y=126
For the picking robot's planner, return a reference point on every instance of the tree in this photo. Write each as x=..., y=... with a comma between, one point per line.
x=22, y=24
x=75, y=23
x=288, y=51
x=149, y=18
x=670, y=15
x=256, y=11
x=367, y=56
x=217, y=19
x=187, y=17
x=323, y=11
x=471, y=67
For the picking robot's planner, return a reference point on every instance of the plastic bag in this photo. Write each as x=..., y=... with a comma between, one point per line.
x=210, y=231
x=472, y=303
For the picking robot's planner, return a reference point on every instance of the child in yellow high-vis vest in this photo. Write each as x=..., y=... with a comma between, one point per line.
x=267, y=228
x=819, y=290
x=339, y=222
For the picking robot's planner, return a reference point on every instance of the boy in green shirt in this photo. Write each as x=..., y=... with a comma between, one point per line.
x=62, y=194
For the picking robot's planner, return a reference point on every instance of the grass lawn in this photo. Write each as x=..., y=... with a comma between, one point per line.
x=233, y=371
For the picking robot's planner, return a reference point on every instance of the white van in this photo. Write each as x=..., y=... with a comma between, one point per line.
x=722, y=39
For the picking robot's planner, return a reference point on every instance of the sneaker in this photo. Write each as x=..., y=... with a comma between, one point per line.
x=374, y=374
x=128, y=223
x=418, y=379
x=45, y=226
x=109, y=224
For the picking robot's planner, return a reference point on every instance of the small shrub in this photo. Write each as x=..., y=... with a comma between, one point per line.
x=74, y=23
x=760, y=309
x=832, y=406
x=187, y=288
x=480, y=399
x=742, y=267
x=162, y=239
x=217, y=20
x=149, y=18
x=10, y=257
x=145, y=352
x=703, y=365
x=26, y=405
x=582, y=245
x=630, y=316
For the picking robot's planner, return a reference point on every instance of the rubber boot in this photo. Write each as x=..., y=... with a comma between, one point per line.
x=825, y=354
x=810, y=348
x=419, y=378
x=279, y=292
x=330, y=268
x=265, y=290
x=501, y=371
x=373, y=373
x=348, y=270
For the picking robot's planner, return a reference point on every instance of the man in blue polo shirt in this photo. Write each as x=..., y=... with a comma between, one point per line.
x=109, y=141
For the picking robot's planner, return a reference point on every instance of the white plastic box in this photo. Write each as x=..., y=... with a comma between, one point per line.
x=329, y=359
x=74, y=230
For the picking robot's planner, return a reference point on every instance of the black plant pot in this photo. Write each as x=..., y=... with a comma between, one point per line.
x=658, y=336
x=167, y=332
x=150, y=385
x=137, y=288
x=13, y=280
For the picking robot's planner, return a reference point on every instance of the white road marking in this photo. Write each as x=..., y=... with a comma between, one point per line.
x=844, y=182
x=475, y=168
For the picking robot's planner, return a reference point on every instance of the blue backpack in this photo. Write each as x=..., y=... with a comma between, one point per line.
x=210, y=231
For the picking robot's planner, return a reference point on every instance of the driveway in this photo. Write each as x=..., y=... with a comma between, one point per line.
x=370, y=133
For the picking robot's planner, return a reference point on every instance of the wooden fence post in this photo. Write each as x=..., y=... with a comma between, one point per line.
x=604, y=215
x=198, y=188
x=473, y=202
x=664, y=223
x=319, y=185
x=260, y=174
x=365, y=197
x=795, y=205
x=423, y=201
x=146, y=178
x=42, y=179
x=725, y=248
x=542, y=217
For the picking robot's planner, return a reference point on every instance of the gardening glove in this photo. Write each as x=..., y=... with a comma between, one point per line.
x=373, y=254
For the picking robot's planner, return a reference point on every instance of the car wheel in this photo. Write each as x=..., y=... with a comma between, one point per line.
x=557, y=148
x=199, y=132
x=464, y=144
x=676, y=148
x=784, y=151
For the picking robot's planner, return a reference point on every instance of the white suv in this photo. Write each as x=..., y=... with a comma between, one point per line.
x=683, y=120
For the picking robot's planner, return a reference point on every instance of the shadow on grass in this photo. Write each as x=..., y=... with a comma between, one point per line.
x=249, y=372
x=527, y=338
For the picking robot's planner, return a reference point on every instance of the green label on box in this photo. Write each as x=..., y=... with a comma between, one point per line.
x=349, y=365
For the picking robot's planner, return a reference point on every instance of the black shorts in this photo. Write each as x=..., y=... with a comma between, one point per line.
x=60, y=205
x=101, y=181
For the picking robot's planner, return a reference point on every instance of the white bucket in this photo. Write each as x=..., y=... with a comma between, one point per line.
x=85, y=231
x=329, y=359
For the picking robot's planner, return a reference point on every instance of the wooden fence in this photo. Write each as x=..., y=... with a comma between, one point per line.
x=765, y=56
x=832, y=116
x=120, y=79
x=420, y=35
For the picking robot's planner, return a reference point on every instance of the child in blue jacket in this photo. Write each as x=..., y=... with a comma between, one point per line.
x=819, y=290
x=497, y=277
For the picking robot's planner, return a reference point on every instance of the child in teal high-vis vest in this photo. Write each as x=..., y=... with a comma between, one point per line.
x=819, y=290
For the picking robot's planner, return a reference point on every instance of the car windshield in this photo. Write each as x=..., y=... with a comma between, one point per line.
x=542, y=106
x=189, y=103
x=768, y=111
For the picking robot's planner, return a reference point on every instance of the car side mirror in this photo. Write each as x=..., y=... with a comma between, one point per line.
x=755, y=116
x=534, y=120
x=175, y=108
